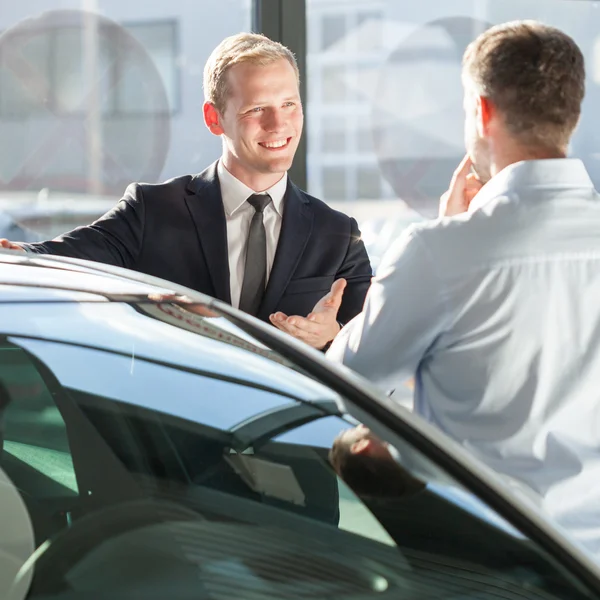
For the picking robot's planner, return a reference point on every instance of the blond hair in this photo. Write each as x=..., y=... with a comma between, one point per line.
x=253, y=48
x=535, y=76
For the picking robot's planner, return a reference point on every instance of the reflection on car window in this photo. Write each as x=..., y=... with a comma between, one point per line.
x=34, y=432
x=433, y=519
x=210, y=470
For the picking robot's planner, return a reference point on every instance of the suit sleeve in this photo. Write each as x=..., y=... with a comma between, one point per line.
x=405, y=311
x=356, y=270
x=114, y=239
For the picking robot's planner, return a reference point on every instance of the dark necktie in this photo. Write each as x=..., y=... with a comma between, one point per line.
x=255, y=270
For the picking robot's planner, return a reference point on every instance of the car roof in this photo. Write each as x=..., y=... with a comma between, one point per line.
x=215, y=346
x=38, y=277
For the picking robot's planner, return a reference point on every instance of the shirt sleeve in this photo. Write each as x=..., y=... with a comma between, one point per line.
x=404, y=313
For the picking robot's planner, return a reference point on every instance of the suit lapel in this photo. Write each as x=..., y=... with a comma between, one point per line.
x=296, y=227
x=206, y=208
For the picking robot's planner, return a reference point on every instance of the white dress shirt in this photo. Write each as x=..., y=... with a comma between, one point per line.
x=497, y=314
x=238, y=214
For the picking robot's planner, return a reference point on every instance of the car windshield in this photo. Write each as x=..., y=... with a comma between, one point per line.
x=155, y=449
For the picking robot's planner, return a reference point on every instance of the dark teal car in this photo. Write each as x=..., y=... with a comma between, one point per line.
x=159, y=444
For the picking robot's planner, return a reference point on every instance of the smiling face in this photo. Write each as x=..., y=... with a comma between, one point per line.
x=261, y=123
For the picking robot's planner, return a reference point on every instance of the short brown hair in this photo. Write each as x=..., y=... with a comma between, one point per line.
x=254, y=48
x=535, y=76
x=370, y=476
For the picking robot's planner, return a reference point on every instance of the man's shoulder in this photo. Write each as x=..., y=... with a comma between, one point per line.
x=441, y=240
x=444, y=228
x=174, y=184
x=461, y=243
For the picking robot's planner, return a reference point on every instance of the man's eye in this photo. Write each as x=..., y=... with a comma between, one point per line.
x=290, y=104
x=257, y=109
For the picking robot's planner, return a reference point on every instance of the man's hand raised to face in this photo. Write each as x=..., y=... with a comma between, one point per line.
x=8, y=245
x=319, y=327
x=463, y=188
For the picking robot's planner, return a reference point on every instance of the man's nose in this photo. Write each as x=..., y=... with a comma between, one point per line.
x=276, y=120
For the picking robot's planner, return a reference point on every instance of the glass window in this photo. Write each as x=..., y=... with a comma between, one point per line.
x=22, y=89
x=333, y=31
x=67, y=72
x=335, y=138
x=370, y=31
x=406, y=60
x=334, y=84
x=154, y=435
x=96, y=94
x=159, y=40
x=334, y=183
x=34, y=443
x=365, y=140
x=368, y=183
x=33, y=429
x=78, y=63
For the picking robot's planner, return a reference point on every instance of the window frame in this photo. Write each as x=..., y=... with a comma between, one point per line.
x=285, y=22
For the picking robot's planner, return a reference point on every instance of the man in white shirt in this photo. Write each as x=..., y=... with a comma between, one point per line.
x=240, y=231
x=494, y=307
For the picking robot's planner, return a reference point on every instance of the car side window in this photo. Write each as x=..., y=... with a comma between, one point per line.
x=436, y=539
x=354, y=516
x=33, y=430
x=35, y=448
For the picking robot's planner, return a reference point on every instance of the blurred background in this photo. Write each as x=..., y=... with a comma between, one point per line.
x=95, y=94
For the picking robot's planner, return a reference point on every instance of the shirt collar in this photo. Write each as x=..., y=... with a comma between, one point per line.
x=546, y=173
x=235, y=193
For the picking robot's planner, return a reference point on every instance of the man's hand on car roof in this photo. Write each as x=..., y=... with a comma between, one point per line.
x=8, y=245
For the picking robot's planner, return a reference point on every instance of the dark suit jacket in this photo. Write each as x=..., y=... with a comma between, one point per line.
x=177, y=230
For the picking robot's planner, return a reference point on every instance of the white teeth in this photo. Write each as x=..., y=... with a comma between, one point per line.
x=277, y=144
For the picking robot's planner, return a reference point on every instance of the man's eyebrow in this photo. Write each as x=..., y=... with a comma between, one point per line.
x=263, y=101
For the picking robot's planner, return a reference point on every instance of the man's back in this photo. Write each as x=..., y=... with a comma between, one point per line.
x=506, y=337
x=515, y=373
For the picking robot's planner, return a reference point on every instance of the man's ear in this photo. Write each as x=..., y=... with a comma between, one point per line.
x=485, y=113
x=212, y=118
x=363, y=446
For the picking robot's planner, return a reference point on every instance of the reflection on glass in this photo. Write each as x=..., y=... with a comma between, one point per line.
x=18, y=94
x=334, y=182
x=335, y=138
x=335, y=87
x=333, y=30
x=400, y=64
x=159, y=39
x=368, y=182
x=96, y=94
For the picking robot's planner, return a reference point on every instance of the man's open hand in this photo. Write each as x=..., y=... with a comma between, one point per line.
x=319, y=327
